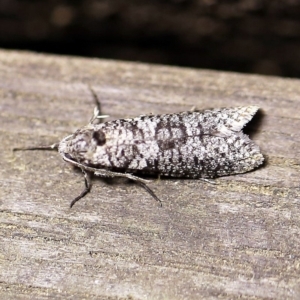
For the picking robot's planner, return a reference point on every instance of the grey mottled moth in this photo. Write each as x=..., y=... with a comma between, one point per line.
x=200, y=144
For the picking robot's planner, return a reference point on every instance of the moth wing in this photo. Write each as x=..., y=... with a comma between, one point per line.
x=232, y=120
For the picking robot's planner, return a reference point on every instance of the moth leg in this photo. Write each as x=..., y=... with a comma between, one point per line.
x=87, y=189
x=208, y=180
x=146, y=187
x=107, y=173
x=158, y=178
x=140, y=181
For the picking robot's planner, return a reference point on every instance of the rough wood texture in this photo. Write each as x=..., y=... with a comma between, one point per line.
x=238, y=239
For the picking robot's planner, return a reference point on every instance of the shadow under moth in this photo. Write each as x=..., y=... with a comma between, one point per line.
x=195, y=144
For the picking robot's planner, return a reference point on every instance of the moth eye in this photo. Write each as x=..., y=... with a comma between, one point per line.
x=99, y=137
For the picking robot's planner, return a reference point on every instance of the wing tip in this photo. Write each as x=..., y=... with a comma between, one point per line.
x=252, y=109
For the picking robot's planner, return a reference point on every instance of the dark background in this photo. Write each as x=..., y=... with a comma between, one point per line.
x=244, y=35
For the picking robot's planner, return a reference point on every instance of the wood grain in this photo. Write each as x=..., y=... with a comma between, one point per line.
x=238, y=239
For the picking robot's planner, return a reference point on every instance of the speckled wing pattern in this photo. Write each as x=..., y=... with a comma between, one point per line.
x=204, y=144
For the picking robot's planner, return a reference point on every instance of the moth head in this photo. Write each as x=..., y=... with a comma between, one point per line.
x=82, y=145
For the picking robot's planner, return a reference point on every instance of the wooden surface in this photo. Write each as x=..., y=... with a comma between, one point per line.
x=239, y=239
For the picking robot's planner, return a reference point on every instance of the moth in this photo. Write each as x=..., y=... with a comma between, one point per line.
x=194, y=144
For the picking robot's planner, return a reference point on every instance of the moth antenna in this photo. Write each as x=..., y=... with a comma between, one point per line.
x=96, y=99
x=97, y=110
x=97, y=115
x=51, y=147
x=103, y=116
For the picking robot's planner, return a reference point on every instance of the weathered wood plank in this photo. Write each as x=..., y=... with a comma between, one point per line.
x=237, y=239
